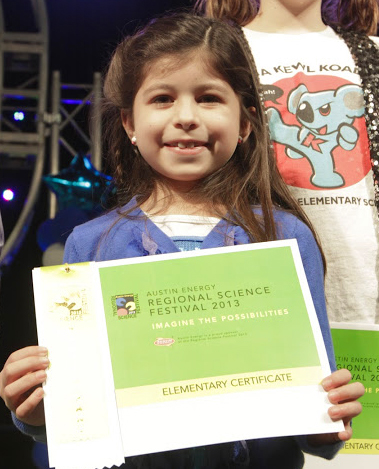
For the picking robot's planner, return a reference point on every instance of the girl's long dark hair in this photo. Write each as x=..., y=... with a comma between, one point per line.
x=355, y=15
x=250, y=177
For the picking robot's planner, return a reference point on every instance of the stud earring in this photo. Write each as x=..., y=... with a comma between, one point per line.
x=134, y=140
x=240, y=140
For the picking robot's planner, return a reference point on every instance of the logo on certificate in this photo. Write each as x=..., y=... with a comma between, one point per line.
x=125, y=306
x=160, y=341
x=69, y=304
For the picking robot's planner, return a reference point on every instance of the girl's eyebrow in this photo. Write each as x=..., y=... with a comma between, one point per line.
x=212, y=85
x=157, y=86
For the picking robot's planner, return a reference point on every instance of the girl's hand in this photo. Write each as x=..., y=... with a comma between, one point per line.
x=343, y=395
x=20, y=384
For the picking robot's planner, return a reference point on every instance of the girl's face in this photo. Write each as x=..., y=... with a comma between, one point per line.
x=186, y=120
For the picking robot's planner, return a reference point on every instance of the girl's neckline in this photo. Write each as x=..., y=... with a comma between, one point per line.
x=182, y=217
x=326, y=32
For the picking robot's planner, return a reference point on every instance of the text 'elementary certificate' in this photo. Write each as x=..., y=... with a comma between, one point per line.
x=179, y=350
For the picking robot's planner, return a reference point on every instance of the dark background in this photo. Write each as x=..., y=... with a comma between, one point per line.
x=83, y=33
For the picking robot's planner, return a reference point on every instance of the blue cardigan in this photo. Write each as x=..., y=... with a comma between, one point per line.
x=112, y=237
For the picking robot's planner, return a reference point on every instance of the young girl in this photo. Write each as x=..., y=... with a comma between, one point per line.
x=319, y=76
x=188, y=144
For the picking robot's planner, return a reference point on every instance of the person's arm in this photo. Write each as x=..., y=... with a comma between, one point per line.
x=38, y=433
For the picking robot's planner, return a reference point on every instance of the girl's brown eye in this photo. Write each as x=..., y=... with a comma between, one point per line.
x=324, y=110
x=209, y=98
x=162, y=99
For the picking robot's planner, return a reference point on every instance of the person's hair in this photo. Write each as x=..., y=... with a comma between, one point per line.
x=354, y=15
x=250, y=177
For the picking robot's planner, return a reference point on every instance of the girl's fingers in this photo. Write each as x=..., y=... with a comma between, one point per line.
x=343, y=395
x=14, y=370
x=20, y=383
x=33, y=350
x=345, y=411
x=15, y=392
x=23, y=371
x=347, y=433
x=337, y=379
x=346, y=393
x=31, y=410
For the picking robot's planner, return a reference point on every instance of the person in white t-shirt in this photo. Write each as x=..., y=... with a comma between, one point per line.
x=313, y=95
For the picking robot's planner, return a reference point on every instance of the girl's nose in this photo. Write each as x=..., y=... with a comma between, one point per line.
x=186, y=115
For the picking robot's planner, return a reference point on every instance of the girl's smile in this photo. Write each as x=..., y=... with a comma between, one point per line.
x=187, y=147
x=186, y=119
x=186, y=144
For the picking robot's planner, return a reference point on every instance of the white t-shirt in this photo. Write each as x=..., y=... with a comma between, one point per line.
x=186, y=231
x=316, y=114
x=185, y=225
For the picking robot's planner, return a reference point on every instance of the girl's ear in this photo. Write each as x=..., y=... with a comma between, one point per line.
x=127, y=123
x=246, y=127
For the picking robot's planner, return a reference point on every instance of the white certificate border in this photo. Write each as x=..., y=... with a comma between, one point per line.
x=303, y=410
x=154, y=427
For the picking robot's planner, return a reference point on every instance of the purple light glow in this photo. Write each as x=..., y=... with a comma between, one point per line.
x=8, y=195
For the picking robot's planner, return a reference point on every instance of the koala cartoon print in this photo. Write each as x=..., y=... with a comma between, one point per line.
x=318, y=124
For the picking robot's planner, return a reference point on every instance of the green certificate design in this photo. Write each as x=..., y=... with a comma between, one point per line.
x=357, y=349
x=193, y=326
x=212, y=346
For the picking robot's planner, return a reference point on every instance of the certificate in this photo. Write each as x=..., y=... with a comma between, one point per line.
x=183, y=350
x=357, y=349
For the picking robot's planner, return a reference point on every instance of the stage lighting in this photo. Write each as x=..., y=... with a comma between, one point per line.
x=8, y=195
x=18, y=116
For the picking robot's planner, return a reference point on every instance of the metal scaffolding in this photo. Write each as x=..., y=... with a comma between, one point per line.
x=68, y=101
x=23, y=84
x=23, y=87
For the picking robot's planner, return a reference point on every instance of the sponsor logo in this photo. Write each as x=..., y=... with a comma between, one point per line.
x=164, y=342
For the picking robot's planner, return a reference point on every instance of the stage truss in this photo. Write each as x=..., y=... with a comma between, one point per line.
x=24, y=86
